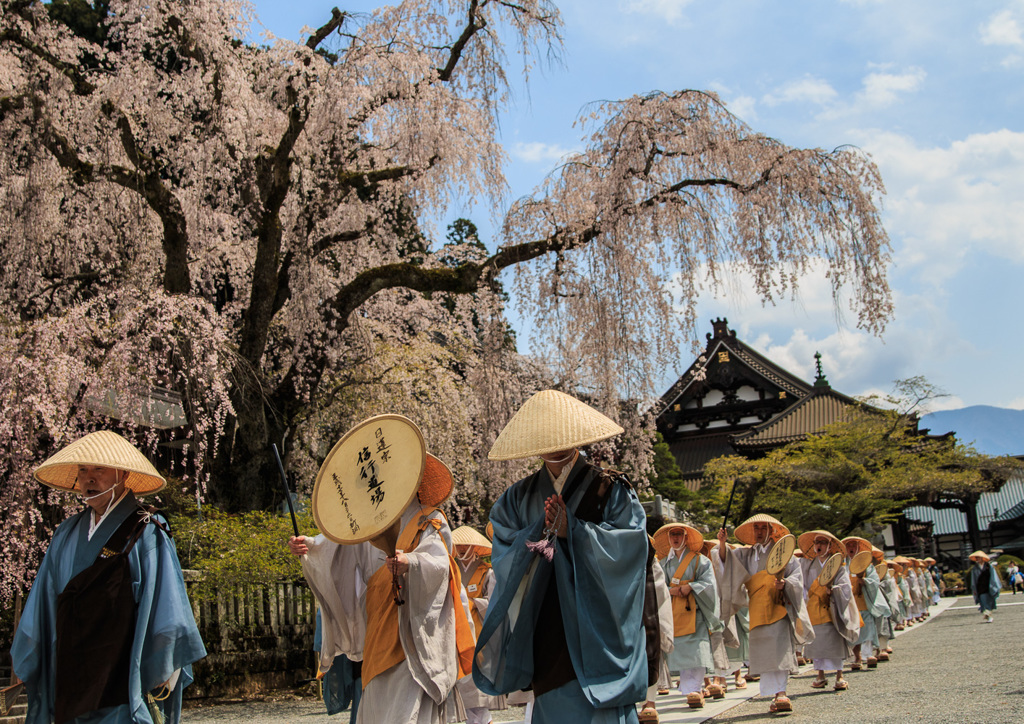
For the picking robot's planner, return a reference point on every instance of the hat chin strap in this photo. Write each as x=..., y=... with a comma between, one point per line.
x=110, y=503
x=559, y=461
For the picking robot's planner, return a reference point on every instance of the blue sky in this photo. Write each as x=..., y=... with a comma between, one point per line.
x=932, y=89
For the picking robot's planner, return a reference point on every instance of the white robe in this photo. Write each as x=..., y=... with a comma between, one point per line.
x=833, y=640
x=772, y=647
x=472, y=697
x=418, y=690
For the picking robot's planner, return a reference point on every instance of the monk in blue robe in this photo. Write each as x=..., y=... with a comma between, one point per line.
x=107, y=634
x=569, y=556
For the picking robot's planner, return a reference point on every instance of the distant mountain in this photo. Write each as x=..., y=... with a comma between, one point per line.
x=992, y=430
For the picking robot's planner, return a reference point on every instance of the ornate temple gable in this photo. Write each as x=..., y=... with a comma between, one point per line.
x=729, y=388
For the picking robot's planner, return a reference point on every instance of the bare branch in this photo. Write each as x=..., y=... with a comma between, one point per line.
x=337, y=18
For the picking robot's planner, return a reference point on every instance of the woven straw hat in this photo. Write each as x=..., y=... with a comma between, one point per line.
x=862, y=543
x=806, y=543
x=930, y=561
x=745, y=531
x=894, y=566
x=466, y=536
x=979, y=555
x=105, y=449
x=436, y=483
x=710, y=544
x=693, y=540
x=551, y=421
x=877, y=554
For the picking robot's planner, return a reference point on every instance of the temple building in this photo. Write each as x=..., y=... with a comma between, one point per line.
x=735, y=401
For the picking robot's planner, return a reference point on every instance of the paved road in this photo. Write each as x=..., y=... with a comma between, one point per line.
x=951, y=669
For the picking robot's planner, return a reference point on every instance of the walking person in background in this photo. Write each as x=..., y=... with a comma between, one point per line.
x=778, y=614
x=1014, y=577
x=985, y=584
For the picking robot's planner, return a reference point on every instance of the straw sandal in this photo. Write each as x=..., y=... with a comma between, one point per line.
x=695, y=700
x=648, y=715
x=841, y=685
x=819, y=683
x=872, y=662
x=780, y=705
x=716, y=691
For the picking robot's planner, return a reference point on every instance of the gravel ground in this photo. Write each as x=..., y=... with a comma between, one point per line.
x=954, y=669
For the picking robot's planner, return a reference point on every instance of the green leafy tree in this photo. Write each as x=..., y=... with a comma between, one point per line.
x=860, y=472
x=666, y=480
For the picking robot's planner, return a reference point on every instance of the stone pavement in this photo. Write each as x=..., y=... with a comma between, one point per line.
x=952, y=668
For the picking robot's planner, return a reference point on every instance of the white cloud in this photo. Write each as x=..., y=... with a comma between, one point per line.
x=1016, y=404
x=669, y=10
x=744, y=107
x=947, y=203
x=536, y=152
x=918, y=341
x=805, y=90
x=945, y=403
x=1002, y=29
x=883, y=89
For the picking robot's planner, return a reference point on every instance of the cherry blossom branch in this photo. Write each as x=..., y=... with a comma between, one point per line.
x=82, y=86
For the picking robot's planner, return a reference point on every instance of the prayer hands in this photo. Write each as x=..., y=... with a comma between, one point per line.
x=780, y=583
x=297, y=545
x=398, y=564
x=555, y=515
x=683, y=589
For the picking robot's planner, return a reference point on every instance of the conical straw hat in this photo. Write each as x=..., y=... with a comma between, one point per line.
x=745, y=531
x=930, y=561
x=489, y=530
x=106, y=449
x=466, y=536
x=551, y=421
x=877, y=554
x=806, y=543
x=979, y=555
x=693, y=539
x=862, y=543
x=436, y=483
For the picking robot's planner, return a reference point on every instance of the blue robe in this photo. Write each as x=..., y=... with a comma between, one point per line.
x=599, y=569
x=166, y=638
x=340, y=685
x=694, y=650
x=986, y=599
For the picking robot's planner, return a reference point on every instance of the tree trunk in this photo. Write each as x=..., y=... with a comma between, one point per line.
x=970, y=510
x=245, y=475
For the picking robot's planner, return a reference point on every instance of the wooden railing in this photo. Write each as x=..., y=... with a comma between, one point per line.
x=257, y=637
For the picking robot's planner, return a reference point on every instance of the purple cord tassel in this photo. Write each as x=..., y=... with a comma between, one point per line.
x=544, y=547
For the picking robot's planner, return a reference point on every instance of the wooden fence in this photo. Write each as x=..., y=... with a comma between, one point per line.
x=257, y=637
